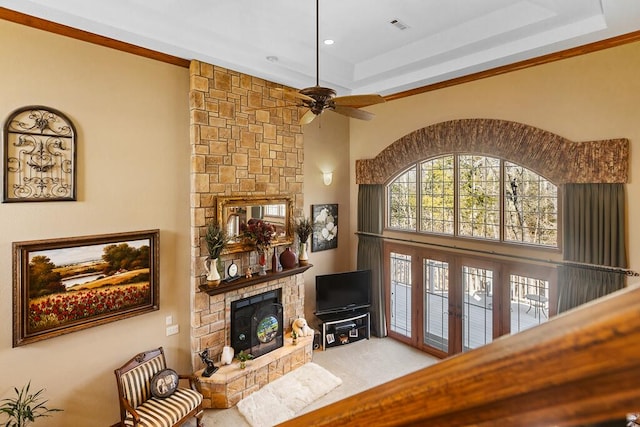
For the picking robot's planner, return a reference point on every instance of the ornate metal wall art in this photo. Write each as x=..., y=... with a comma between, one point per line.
x=39, y=156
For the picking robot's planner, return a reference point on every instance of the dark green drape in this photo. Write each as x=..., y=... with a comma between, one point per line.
x=370, y=220
x=593, y=233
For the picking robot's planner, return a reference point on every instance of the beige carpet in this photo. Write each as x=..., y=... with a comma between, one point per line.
x=285, y=397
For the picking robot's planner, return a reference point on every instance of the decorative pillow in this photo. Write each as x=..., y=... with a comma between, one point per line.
x=164, y=383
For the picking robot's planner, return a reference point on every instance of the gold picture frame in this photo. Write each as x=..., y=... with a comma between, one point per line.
x=69, y=284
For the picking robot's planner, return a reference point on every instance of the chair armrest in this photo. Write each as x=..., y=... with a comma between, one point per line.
x=127, y=407
x=192, y=380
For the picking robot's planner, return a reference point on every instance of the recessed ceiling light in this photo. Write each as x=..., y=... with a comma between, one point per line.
x=328, y=42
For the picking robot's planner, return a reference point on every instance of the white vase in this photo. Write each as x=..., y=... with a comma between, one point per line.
x=227, y=355
x=303, y=258
x=213, y=276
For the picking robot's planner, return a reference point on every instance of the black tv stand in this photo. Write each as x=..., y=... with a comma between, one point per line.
x=344, y=327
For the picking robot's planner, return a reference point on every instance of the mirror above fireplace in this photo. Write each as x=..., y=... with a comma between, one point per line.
x=276, y=210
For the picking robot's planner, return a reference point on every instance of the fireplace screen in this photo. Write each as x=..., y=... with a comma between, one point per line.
x=257, y=323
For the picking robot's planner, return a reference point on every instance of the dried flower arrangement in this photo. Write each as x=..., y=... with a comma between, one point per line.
x=259, y=232
x=303, y=229
x=216, y=238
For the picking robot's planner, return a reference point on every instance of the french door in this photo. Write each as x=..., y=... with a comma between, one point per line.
x=446, y=303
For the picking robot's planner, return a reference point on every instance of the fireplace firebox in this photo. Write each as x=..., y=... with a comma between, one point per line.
x=257, y=323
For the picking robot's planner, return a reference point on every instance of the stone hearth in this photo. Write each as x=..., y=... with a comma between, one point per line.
x=229, y=384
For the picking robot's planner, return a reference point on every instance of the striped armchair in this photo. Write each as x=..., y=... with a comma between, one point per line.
x=138, y=405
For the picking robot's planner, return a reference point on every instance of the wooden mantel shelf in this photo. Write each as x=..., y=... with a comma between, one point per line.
x=254, y=280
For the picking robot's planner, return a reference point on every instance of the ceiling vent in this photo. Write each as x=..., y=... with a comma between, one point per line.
x=399, y=24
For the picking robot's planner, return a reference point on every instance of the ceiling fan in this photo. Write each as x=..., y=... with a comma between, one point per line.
x=318, y=99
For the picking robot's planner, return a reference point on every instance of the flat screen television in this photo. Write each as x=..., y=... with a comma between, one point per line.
x=343, y=291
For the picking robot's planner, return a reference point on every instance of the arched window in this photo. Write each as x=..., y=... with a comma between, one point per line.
x=475, y=196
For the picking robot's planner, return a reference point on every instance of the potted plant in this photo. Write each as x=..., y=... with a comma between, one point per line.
x=25, y=407
x=243, y=357
x=217, y=239
x=303, y=229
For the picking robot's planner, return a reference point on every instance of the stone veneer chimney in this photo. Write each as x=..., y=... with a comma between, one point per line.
x=235, y=152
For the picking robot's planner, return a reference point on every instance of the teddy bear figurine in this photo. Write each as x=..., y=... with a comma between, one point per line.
x=301, y=328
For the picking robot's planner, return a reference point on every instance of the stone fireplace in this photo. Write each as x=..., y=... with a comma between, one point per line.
x=277, y=356
x=238, y=150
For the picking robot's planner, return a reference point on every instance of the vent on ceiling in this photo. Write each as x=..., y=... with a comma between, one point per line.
x=399, y=24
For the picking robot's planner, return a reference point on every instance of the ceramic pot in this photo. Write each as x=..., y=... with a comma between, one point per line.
x=304, y=257
x=275, y=263
x=227, y=355
x=213, y=276
x=288, y=258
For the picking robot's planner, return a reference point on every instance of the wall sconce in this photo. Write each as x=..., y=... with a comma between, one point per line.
x=327, y=178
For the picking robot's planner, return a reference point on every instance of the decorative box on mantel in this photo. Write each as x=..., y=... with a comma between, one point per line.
x=243, y=282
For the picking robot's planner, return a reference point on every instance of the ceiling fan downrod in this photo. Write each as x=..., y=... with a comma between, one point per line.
x=317, y=42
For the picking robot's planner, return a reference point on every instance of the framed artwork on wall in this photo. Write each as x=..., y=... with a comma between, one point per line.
x=39, y=156
x=325, y=227
x=69, y=284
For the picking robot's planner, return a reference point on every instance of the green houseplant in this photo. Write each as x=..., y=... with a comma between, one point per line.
x=243, y=357
x=25, y=407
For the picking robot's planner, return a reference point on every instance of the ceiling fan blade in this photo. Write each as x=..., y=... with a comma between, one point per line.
x=295, y=94
x=307, y=117
x=247, y=110
x=357, y=101
x=353, y=112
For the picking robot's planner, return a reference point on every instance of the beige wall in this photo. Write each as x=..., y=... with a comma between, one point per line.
x=132, y=119
x=326, y=148
x=591, y=97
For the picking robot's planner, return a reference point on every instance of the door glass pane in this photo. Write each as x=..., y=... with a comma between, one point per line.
x=477, y=307
x=529, y=302
x=436, y=304
x=400, y=321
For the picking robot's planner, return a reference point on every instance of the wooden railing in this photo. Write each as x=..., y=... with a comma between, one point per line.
x=579, y=368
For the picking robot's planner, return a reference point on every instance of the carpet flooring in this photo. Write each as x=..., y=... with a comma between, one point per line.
x=282, y=399
x=361, y=365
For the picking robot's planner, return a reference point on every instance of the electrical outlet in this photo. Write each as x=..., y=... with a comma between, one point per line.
x=168, y=320
x=172, y=330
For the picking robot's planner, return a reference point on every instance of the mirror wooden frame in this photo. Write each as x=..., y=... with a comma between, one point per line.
x=224, y=204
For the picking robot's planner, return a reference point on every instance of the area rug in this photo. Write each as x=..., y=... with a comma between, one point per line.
x=282, y=399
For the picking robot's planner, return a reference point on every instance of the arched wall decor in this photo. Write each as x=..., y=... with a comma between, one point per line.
x=39, y=156
x=557, y=159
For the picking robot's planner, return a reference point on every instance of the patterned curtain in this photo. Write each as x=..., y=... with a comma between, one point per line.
x=370, y=220
x=593, y=233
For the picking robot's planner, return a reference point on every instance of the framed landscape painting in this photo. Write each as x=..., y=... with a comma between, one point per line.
x=325, y=227
x=69, y=284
